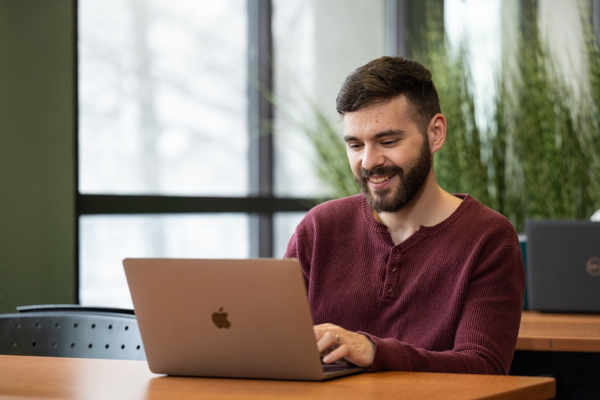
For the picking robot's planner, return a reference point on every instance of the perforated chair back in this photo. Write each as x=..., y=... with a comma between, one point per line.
x=71, y=331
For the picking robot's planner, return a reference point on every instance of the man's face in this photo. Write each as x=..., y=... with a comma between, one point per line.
x=390, y=158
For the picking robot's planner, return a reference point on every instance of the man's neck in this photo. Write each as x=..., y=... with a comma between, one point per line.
x=431, y=206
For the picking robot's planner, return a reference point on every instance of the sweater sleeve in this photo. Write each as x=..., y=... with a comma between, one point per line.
x=487, y=331
x=294, y=250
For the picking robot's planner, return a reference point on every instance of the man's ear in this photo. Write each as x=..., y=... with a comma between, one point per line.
x=436, y=132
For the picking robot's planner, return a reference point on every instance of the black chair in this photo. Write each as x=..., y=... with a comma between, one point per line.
x=71, y=331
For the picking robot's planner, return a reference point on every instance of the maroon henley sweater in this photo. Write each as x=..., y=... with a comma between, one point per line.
x=447, y=299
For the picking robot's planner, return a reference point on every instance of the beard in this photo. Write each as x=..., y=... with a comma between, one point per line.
x=410, y=183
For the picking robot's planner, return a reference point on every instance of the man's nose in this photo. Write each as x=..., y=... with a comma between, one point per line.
x=372, y=158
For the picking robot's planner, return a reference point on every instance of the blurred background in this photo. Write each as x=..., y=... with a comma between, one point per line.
x=176, y=128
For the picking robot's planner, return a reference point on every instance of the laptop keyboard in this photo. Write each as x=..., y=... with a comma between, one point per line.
x=328, y=368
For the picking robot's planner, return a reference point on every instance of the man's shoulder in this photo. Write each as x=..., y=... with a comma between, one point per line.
x=334, y=212
x=481, y=218
x=343, y=206
x=485, y=214
x=328, y=229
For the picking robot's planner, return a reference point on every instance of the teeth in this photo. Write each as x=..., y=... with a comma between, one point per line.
x=379, y=180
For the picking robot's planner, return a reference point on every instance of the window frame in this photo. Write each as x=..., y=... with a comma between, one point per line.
x=261, y=203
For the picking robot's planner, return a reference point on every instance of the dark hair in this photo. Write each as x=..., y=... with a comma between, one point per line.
x=385, y=78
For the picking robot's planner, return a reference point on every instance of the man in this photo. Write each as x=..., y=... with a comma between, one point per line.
x=406, y=276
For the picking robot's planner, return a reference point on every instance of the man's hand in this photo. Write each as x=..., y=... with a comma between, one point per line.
x=336, y=343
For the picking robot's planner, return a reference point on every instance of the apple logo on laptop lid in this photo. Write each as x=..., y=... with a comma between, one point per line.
x=220, y=319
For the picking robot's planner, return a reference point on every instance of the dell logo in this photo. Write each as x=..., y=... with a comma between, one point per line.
x=593, y=266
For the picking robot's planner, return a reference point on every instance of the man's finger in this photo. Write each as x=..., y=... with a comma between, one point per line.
x=320, y=330
x=336, y=354
x=326, y=341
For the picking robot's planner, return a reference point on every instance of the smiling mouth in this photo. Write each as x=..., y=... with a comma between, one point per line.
x=380, y=179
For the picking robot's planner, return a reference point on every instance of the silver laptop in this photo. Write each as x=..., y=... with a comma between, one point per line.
x=226, y=318
x=563, y=266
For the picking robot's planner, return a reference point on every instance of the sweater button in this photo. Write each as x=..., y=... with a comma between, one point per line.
x=396, y=251
x=393, y=269
x=389, y=288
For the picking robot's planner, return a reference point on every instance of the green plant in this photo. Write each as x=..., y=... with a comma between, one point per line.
x=328, y=155
x=536, y=157
x=331, y=164
x=590, y=116
x=459, y=166
x=555, y=148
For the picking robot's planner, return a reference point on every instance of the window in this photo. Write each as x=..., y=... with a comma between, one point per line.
x=477, y=25
x=176, y=156
x=107, y=240
x=316, y=45
x=162, y=97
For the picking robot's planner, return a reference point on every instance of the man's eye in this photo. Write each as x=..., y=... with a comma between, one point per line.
x=389, y=142
x=353, y=145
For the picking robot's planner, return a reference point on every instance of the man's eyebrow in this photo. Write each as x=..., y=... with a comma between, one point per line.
x=391, y=132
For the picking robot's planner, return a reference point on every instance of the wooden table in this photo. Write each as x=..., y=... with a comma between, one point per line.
x=566, y=346
x=559, y=332
x=69, y=378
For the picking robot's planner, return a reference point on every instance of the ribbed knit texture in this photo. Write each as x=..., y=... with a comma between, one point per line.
x=447, y=299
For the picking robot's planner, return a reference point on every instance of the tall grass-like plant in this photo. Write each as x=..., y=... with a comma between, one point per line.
x=552, y=148
x=459, y=166
x=506, y=178
x=590, y=116
x=327, y=152
x=331, y=162
x=535, y=158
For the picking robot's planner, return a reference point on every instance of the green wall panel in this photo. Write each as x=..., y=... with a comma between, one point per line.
x=37, y=152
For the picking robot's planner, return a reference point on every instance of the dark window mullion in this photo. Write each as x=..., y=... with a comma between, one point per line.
x=396, y=29
x=97, y=204
x=76, y=142
x=260, y=117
